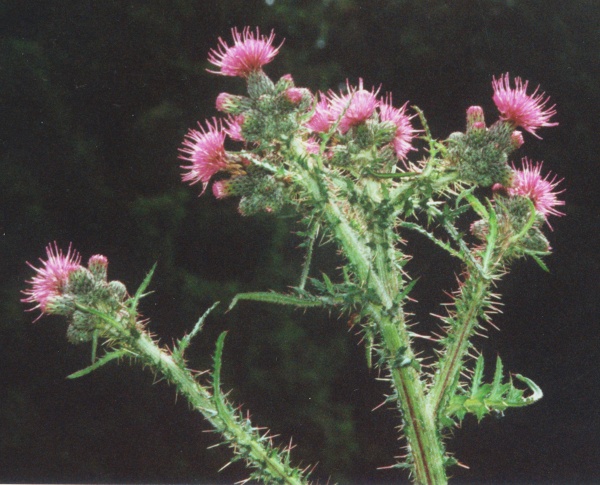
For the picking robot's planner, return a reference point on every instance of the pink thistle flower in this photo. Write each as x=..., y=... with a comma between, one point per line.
x=205, y=151
x=355, y=107
x=248, y=53
x=233, y=127
x=322, y=119
x=404, y=129
x=51, y=278
x=528, y=111
x=528, y=182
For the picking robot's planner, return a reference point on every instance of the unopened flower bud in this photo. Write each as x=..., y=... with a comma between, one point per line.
x=81, y=328
x=300, y=97
x=98, y=265
x=81, y=282
x=259, y=84
x=230, y=103
x=118, y=290
x=479, y=229
x=221, y=189
x=499, y=189
x=475, y=118
x=285, y=82
x=516, y=139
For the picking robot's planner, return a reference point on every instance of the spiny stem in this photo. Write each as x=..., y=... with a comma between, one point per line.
x=445, y=380
x=129, y=337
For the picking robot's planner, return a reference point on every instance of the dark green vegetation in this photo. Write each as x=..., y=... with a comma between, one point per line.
x=95, y=98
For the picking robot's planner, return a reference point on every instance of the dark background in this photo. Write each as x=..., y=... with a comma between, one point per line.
x=95, y=98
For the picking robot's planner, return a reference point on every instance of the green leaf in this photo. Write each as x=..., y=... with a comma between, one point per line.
x=538, y=260
x=99, y=363
x=528, y=225
x=183, y=344
x=396, y=175
x=139, y=294
x=407, y=289
x=477, y=206
x=482, y=399
x=328, y=284
x=278, y=299
x=491, y=238
x=217, y=363
x=477, y=375
x=496, y=392
x=533, y=387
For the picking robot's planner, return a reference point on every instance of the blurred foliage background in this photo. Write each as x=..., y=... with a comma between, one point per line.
x=95, y=98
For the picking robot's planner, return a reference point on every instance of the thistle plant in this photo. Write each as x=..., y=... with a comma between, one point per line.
x=346, y=165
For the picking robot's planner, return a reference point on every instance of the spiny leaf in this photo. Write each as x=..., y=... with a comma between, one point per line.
x=497, y=390
x=183, y=344
x=328, y=284
x=99, y=363
x=482, y=399
x=395, y=175
x=310, y=243
x=533, y=387
x=538, y=260
x=432, y=237
x=477, y=375
x=217, y=365
x=277, y=298
x=491, y=237
x=133, y=302
x=528, y=225
x=407, y=289
x=477, y=205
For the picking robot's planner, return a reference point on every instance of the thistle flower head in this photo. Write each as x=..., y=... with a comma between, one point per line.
x=52, y=277
x=355, y=107
x=205, y=152
x=404, y=129
x=233, y=127
x=322, y=118
x=249, y=52
x=528, y=182
x=528, y=111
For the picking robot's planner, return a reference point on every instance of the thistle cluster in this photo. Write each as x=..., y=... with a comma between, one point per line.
x=341, y=160
x=62, y=285
x=355, y=130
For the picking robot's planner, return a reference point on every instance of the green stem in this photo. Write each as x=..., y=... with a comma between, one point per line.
x=130, y=338
x=366, y=257
x=201, y=400
x=424, y=442
x=469, y=306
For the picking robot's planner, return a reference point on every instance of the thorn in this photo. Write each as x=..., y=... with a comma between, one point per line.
x=225, y=466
